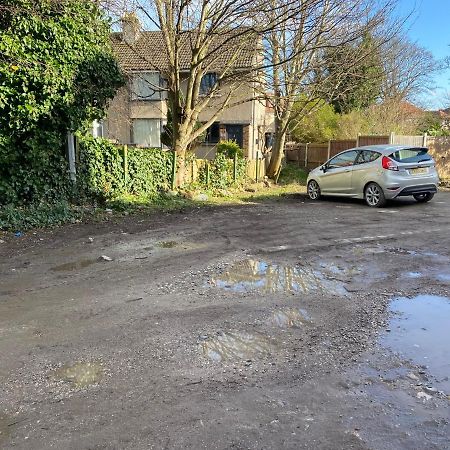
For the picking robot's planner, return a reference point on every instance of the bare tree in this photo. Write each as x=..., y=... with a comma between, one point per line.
x=408, y=69
x=295, y=53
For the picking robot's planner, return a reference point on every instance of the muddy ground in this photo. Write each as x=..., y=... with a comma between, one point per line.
x=280, y=324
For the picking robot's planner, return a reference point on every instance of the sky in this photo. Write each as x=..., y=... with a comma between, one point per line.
x=429, y=26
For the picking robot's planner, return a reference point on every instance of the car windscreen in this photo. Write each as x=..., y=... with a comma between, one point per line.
x=411, y=155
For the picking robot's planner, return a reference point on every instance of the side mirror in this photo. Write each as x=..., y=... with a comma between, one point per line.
x=323, y=168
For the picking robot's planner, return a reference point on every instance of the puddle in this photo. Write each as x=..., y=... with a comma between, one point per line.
x=76, y=265
x=443, y=277
x=167, y=244
x=289, y=318
x=81, y=374
x=236, y=345
x=252, y=274
x=420, y=332
x=414, y=274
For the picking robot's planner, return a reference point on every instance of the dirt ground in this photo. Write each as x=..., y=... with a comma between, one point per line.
x=262, y=326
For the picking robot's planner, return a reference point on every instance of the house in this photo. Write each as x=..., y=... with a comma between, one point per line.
x=138, y=112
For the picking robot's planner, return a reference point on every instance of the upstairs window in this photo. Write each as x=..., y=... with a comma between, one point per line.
x=146, y=86
x=209, y=80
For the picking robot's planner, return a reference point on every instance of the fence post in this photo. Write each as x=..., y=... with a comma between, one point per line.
x=235, y=167
x=391, y=138
x=329, y=149
x=125, y=166
x=257, y=166
x=424, y=142
x=306, y=155
x=174, y=170
x=357, y=139
x=207, y=173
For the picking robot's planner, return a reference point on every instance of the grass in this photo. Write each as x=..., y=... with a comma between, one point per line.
x=292, y=180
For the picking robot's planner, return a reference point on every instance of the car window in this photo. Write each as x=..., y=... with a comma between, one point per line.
x=411, y=155
x=343, y=160
x=367, y=156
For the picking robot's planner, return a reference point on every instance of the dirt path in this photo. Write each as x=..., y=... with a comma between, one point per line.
x=264, y=326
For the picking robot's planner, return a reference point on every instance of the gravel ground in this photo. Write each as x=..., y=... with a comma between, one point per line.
x=259, y=326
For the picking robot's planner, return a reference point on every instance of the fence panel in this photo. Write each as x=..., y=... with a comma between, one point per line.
x=440, y=151
x=317, y=155
x=414, y=141
x=337, y=146
x=373, y=140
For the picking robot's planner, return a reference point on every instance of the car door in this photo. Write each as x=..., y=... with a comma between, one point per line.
x=363, y=170
x=337, y=176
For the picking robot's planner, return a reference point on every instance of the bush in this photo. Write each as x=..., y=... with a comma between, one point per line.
x=229, y=149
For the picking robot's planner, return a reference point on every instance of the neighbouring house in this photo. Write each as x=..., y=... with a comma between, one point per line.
x=138, y=112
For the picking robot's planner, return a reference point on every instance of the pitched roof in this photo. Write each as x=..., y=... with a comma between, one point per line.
x=149, y=51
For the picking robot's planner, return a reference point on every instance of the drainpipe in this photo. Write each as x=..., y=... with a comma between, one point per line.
x=253, y=123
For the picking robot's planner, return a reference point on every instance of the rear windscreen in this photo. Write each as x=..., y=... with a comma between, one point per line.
x=411, y=155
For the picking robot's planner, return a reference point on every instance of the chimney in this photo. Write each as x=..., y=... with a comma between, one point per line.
x=130, y=28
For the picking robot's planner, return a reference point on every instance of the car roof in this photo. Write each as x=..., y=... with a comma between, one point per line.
x=388, y=148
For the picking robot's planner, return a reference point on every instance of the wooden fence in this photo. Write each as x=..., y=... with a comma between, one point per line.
x=310, y=156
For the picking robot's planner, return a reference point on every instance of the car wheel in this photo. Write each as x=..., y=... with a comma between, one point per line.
x=374, y=195
x=313, y=190
x=422, y=198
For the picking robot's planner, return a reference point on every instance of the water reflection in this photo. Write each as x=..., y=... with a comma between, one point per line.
x=75, y=265
x=420, y=331
x=81, y=373
x=289, y=318
x=236, y=345
x=252, y=274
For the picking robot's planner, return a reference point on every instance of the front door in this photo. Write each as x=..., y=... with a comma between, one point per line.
x=236, y=133
x=337, y=179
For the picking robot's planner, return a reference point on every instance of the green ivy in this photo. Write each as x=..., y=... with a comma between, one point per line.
x=101, y=171
x=57, y=72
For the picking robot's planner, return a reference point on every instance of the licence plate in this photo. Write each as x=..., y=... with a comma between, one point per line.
x=418, y=171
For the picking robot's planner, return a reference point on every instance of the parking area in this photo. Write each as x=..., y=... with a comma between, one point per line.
x=284, y=323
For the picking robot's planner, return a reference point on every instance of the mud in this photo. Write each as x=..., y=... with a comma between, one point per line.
x=277, y=324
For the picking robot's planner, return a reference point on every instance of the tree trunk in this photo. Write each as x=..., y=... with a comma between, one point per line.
x=180, y=150
x=277, y=155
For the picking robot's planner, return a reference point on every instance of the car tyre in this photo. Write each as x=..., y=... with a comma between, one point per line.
x=423, y=198
x=314, y=190
x=374, y=196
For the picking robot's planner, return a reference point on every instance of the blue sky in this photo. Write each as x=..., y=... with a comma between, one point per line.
x=429, y=26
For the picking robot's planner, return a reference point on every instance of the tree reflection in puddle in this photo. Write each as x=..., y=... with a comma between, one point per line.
x=289, y=318
x=236, y=345
x=252, y=274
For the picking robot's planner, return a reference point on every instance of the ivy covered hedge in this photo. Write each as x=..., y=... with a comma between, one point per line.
x=102, y=173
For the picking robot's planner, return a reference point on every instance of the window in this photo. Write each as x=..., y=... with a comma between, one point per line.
x=213, y=134
x=343, y=160
x=411, y=155
x=367, y=156
x=146, y=86
x=208, y=82
x=97, y=128
x=147, y=132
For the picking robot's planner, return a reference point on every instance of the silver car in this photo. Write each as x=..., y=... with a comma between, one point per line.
x=376, y=173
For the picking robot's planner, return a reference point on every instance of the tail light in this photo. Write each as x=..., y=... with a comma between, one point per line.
x=388, y=164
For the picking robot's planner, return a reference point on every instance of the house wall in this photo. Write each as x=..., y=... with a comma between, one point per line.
x=251, y=114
